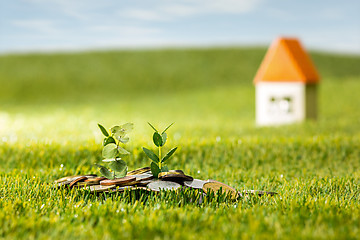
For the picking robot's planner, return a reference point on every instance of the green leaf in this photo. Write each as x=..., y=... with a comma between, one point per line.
x=122, y=151
x=122, y=173
x=164, y=169
x=104, y=171
x=124, y=139
x=117, y=132
x=115, y=129
x=103, y=130
x=168, y=155
x=118, y=165
x=164, y=138
x=127, y=127
x=108, y=140
x=157, y=139
x=155, y=170
x=167, y=127
x=110, y=151
x=151, y=155
x=152, y=127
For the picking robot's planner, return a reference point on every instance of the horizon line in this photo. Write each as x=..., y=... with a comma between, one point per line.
x=155, y=47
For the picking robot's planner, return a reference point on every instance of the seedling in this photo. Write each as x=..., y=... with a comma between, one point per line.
x=113, y=153
x=158, y=162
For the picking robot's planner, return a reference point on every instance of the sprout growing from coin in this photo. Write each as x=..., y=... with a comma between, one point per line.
x=158, y=161
x=113, y=152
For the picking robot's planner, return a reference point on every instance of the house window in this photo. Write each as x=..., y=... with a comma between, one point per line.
x=285, y=105
x=273, y=106
x=280, y=105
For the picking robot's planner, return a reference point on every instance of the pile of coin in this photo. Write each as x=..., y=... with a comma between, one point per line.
x=142, y=178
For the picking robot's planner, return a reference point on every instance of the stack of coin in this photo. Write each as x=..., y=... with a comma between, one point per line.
x=90, y=182
x=142, y=179
x=118, y=181
x=77, y=180
x=71, y=181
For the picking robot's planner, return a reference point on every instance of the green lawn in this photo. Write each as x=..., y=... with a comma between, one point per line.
x=50, y=105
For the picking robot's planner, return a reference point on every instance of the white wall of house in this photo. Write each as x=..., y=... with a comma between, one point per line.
x=280, y=103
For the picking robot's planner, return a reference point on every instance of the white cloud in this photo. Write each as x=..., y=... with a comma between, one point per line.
x=282, y=14
x=79, y=9
x=179, y=10
x=331, y=13
x=143, y=14
x=184, y=8
x=123, y=30
x=230, y=6
x=37, y=25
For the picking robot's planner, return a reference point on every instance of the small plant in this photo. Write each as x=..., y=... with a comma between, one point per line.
x=158, y=162
x=113, y=153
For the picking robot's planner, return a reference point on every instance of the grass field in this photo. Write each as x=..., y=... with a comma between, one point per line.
x=50, y=105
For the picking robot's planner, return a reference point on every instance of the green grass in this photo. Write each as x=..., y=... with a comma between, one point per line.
x=51, y=104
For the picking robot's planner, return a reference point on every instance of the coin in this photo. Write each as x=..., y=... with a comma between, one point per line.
x=167, y=173
x=163, y=185
x=64, y=179
x=95, y=180
x=99, y=188
x=90, y=175
x=176, y=177
x=71, y=179
x=145, y=182
x=118, y=181
x=212, y=185
x=79, y=179
x=140, y=178
x=177, y=171
x=143, y=176
x=139, y=171
x=195, y=183
x=62, y=184
x=83, y=184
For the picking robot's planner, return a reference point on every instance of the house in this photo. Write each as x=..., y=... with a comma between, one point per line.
x=286, y=85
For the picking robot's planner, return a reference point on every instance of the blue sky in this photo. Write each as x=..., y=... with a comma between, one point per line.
x=52, y=25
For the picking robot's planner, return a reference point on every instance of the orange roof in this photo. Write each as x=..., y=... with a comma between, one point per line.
x=287, y=61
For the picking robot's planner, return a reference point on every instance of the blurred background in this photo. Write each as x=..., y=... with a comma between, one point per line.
x=67, y=65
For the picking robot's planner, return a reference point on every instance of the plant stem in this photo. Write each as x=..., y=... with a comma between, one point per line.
x=117, y=146
x=160, y=158
x=114, y=171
